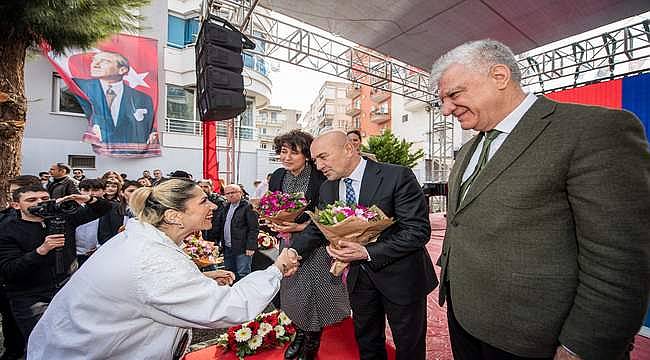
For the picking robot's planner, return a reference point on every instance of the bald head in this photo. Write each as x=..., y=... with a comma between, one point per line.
x=233, y=193
x=336, y=137
x=334, y=155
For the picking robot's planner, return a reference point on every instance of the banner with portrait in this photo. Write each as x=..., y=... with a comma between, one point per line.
x=116, y=85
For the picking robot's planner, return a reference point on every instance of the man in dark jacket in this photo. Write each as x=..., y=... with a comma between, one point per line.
x=13, y=340
x=61, y=183
x=28, y=256
x=235, y=227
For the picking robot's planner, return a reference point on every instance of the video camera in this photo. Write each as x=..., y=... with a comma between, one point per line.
x=54, y=214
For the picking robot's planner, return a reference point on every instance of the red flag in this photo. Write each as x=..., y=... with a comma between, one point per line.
x=116, y=85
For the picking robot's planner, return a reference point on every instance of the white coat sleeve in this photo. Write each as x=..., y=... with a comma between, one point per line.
x=176, y=293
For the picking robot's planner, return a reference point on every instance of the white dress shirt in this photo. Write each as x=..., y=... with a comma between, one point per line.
x=118, y=88
x=356, y=176
x=134, y=298
x=505, y=127
x=86, y=237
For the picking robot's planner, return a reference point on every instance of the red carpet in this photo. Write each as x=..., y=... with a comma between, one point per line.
x=337, y=343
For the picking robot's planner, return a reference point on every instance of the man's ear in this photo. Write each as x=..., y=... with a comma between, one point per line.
x=15, y=205
x=123, y=70
x=501, y=75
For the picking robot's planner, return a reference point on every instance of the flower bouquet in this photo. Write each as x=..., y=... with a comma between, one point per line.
x=267, y=331
x=265, y=241
x=202, y=252
x=354, y=223
x=278, y=207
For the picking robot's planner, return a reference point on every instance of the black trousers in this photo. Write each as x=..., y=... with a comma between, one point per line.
x=408, y=323
x=28, y=309
x=14, y=343
x=466, y=347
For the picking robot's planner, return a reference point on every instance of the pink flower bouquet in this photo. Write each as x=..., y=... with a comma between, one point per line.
x=354, y=223
x=278, y=207
x=202, y=252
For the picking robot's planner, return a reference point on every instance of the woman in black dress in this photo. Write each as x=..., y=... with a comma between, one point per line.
x=313, y=298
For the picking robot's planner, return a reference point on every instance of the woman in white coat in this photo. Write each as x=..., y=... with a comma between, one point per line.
x=139, y=294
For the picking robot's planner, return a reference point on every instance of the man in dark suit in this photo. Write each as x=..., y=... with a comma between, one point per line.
x=235, y=227
x=391, y=277
x=546, y=250
x=119, y=113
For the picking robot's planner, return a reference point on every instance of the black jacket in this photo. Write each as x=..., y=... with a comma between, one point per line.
x=109, y=224
x=23, y=269
x=244, y=227
x=62, y=187
x=7, y=215
x=400, y=267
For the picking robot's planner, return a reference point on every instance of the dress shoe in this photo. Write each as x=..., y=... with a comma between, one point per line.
x=312, y=343
x=294, y=349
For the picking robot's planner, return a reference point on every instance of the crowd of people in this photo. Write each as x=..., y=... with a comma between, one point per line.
x=545, y=254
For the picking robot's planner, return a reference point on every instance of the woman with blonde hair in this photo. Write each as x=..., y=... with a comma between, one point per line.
x=139, y=294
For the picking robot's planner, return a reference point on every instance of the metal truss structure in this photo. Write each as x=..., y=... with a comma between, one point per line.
x=618, y=53
x=289, y=43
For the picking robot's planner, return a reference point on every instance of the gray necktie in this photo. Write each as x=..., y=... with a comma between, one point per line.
x=482, y=160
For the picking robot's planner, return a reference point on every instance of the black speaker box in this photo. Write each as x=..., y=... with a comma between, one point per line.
x=218, y=104
x=219, y=82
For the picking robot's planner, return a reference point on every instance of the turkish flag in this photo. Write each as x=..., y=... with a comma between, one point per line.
x=116, y=84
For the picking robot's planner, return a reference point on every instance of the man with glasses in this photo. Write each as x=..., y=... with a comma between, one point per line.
x=235, y=228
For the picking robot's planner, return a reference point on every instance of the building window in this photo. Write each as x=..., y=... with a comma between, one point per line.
x=356, y=122
x=405, y=118
x=383, y=108
x=246, y=129
x=81, y=161
x=63, y=101
x=181, y=32
x=256, y=63
x=274, y=117
x=264, y=146
x=181, y=111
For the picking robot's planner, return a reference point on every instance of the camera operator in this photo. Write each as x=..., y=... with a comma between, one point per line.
x=33, y=264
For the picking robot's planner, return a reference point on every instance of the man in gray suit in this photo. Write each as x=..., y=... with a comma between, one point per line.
x=546, y=251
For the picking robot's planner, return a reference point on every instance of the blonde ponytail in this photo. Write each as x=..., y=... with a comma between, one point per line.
x=150, y=203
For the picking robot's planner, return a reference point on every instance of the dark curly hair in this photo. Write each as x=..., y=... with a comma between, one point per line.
x=297, y=140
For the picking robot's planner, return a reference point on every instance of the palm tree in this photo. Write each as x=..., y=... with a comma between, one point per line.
x=61, y=23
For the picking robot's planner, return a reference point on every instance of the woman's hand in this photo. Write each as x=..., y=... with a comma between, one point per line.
x=288, y=227
x=222, y=277
x=287, y=262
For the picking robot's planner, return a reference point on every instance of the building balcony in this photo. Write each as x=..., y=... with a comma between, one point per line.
x=379, y=95
x=379, y=117
x=182, y=126
x=353, y=91
x=414, y=105
x=352, y=110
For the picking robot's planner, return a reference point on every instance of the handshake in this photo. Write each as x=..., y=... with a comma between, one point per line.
x=287, y=262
